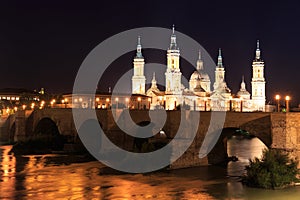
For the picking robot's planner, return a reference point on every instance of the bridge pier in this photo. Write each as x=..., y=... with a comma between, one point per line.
x=20, y=131
x=286, y=133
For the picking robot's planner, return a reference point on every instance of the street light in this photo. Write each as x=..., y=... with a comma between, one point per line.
x=287, y=103
x=42, y=104
x=149, y=102
x=139, y=100
x=117, y=102
x=127, y=100
x=97, y=103
x=107, y=102
x=277, y=97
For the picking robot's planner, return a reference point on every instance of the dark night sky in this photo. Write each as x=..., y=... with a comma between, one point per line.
x=43, y=44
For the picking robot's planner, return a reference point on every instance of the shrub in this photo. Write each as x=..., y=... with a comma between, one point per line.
x=274, y=170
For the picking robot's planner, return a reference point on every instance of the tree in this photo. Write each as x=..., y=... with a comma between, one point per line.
x=274, y=170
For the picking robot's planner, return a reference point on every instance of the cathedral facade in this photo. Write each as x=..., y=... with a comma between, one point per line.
x=198, y=95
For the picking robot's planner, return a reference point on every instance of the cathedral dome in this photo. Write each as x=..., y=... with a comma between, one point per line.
x=243, y=93
x=198, y=88
x=204, y=76
x=195, y=76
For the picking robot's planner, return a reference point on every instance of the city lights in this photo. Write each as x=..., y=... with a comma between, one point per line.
x=287, y=103
x=277, y=97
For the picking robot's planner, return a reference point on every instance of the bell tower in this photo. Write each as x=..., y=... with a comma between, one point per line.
x=219, y=72
x=138, y=78
x=258, y=81
x=173, y=74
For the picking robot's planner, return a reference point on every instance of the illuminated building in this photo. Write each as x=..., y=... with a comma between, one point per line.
x=199, y=95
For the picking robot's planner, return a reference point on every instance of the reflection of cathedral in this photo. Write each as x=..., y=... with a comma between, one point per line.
x=199, y=95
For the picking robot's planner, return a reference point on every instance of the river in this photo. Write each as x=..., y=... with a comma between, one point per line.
x=37, y=177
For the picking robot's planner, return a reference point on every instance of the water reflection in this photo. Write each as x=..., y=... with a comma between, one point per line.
x=244, y=149
x=57, y=177
x=7, y=173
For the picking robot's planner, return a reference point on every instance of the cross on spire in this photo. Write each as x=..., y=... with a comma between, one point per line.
x=173, y=29
x=173, y=45
x=257, y=53
x=139, y=48
x=220, y=62
x=199, y=62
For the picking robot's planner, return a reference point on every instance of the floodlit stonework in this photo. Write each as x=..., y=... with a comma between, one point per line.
x=198, y=95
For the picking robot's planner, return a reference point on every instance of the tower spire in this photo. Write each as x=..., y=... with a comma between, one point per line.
x=173, y=45
x=243, y=85
x=199, y=62
x=139, y=48
x=153, y=79
x=173, y=29
x=220, y=62
x=153, y=83
x=257, y=54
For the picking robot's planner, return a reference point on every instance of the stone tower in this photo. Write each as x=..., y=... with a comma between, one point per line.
x=173, y=74
x=258, y=82
x=138, y=78
x=219, y=73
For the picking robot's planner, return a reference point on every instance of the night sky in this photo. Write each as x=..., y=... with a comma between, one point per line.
x=43, y=44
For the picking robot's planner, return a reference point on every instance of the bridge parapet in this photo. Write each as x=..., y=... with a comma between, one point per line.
x=276, y=130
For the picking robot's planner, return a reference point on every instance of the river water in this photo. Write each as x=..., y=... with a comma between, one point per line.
x=46, y=177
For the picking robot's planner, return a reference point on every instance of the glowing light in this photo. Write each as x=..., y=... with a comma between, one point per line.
x=139, y=99
x=287, y=98
x=277, y=97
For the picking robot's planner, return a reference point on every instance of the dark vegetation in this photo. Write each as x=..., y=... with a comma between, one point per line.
x=275, y=170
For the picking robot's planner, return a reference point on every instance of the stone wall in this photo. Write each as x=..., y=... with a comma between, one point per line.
x=286, y=133
x=276, y=130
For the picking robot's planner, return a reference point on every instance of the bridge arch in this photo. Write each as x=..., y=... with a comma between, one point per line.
x=47, y=126
x=219, y=152
x=46, y=130
x=138, y=143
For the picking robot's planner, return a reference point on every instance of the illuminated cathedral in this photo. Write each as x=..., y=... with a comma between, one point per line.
x=198, y=95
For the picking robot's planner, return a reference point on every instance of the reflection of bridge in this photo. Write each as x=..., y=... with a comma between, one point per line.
x=276, y=130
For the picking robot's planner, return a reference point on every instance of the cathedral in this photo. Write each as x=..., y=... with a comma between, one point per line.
x=198, y=95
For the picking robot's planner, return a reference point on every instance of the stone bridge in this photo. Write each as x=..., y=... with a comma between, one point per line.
x=275, y=130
